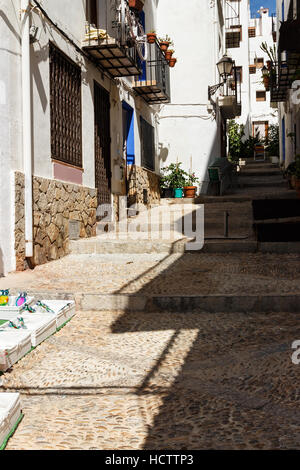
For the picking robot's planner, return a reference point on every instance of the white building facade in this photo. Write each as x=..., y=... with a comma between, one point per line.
x=192, y=129
x=77, y=128
x=245, y=48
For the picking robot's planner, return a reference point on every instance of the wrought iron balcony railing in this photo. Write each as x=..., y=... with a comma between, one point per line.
x=233, y=27
x=230, y=98
x=282, y=76
x=153, y=84
x=117, y=43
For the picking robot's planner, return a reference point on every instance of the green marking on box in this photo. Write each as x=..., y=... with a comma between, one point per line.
x=3, y=321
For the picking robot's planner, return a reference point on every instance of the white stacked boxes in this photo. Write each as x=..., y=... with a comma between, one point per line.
x=10, y=415
x=11, y=311
x=22, y=328
x=14, y=344
x=63, y=310
x=39, y=325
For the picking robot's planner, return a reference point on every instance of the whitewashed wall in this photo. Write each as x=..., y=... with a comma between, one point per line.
x=70, y=17
x=10, y=127
x=244, y=56
x=187, y=129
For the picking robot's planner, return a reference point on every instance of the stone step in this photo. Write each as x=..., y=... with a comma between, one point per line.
x=227, y=303
x=102, y=246
x=249, y=194
x=256, y=172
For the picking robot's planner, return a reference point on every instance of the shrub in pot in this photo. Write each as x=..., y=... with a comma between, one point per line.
x=165, y=42
x=151, y=37
x=190, y=188
x=174, y=178
x=172, y=62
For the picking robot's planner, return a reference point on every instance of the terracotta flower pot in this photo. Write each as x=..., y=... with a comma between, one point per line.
x=190, y=191
x=168, y=55
x=136, y=4
x=151, y=38
x=172, y=62
x=164, y=45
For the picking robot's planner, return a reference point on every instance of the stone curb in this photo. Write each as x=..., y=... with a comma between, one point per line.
x=179, y=303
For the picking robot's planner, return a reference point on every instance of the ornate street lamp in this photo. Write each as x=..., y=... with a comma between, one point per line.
x=225, y=68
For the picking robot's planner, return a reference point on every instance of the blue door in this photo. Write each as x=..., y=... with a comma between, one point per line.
x=128, y=133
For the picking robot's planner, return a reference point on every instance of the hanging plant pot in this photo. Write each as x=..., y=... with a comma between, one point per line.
x=190, y=191
x=136, y=4
x=151, y=38
x=164, y=45
x=172, y=62
x=168, y=54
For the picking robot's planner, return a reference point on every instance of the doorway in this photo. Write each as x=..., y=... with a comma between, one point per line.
x=102, y=144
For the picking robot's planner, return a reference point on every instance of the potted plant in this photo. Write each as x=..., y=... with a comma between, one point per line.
x=174, y=178
x=165, y=42
x=172, y=62
x=136, y=4
x=151, y=37
x=190, y=188
x=165, y=186
x=168, y=54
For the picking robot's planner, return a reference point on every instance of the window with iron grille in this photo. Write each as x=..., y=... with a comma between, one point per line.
x=252, y=32
x=260, y=96
x=252, y=69
x=259, y=62
x=65, y=108
x=147, y=145
x=239, y=74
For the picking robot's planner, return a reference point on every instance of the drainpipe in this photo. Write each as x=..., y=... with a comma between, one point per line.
x=26, y=125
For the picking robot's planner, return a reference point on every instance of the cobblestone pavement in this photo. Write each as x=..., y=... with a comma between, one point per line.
x=233, y=273
x=116, y=380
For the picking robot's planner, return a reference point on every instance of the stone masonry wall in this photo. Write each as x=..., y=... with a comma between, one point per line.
x=140, y=179
x=54, y=204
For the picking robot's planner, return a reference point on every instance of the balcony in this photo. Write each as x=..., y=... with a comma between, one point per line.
x=117, y=43
x=229, y=99
x=289, y=36
x=233, y=28
x=282, y=75
x=153, y=84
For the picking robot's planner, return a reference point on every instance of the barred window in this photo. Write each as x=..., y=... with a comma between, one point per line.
x=148, y=146
x=252, y=69
x=260, y=96
x=252, y=32
x=65, y=108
